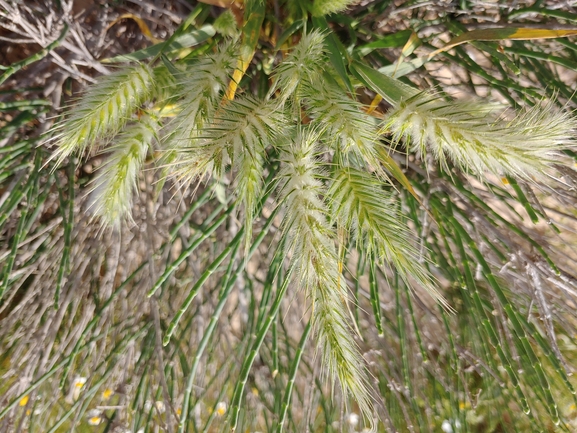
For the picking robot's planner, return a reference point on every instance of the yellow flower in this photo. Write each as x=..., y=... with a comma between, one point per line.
x=95, y=420
x=79, y=382
x=24, y=400
x=220, y=408
x=107, y=393
x=75, y=389
x=94, y=417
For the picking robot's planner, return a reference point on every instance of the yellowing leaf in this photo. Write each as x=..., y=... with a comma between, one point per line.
x=374, y=103
x=504, y=33
x=407, y=50
x=222, y=3
x=496, y=34
x=141, y=25
x=254, y=16
x=412, y=44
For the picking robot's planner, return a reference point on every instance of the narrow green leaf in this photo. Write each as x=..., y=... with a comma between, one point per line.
x=523, y=199
x=391, y=89
x=184, y=40
x=495, y=54
x=394, y=40
x=249, y=359
x=374, y=292
x=292, y=376
x=233, y=245
x=24, y=105
x=405, y=68
x=68, y=224
x=288, y=32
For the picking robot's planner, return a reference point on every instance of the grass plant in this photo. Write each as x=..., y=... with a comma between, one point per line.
x=297, y=225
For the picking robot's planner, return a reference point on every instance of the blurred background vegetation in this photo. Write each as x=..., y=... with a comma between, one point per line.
x=81, y=342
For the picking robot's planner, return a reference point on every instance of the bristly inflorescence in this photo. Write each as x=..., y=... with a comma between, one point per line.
x=325, y=7
x=474, y=136
x=372, y=216
x=102, y=111
x=200, y=87
x=351, y=132
x=311, y=244
x=302, y=68
x=116, y=181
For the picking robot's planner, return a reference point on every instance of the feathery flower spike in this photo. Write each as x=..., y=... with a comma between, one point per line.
x=103, y=110
x=473, y=135
x=115, y=183
x=325, y=7
x=359, y=203
x=304, y=64
x=310, y=243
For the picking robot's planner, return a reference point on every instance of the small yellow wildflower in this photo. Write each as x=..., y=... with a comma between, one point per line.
x=24, y=400
x=94, y=417
x=220, y=408
x=78, y=382
x=95, y=420
x=107, y=393
x=75, y=389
